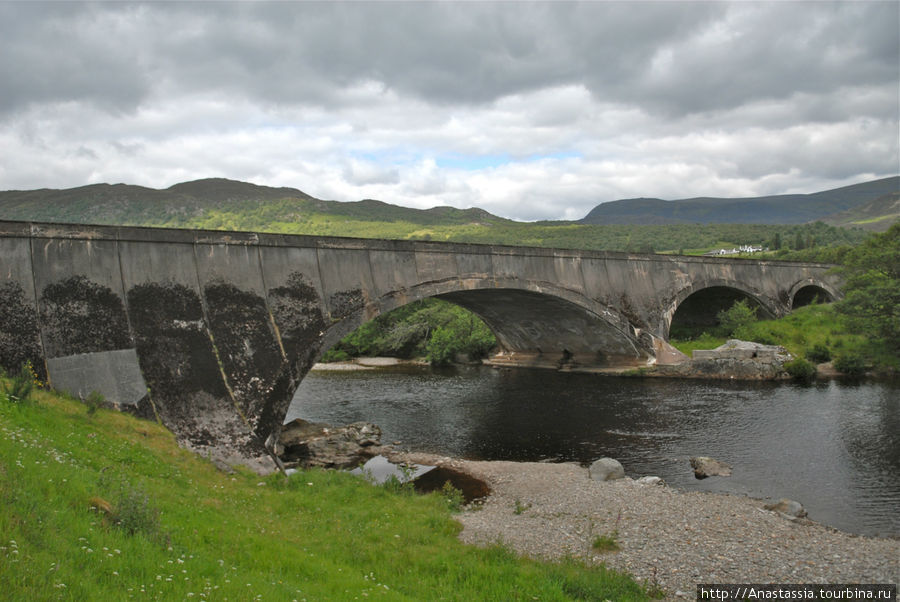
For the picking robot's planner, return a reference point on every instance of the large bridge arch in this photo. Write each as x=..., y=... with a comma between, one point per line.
x=541, y=324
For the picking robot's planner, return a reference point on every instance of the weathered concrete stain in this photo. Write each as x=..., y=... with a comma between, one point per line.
x=297, y=311
x=345, y=303
x=81, y=316
x=178, y=361
x=243, y=335
x=20, y=336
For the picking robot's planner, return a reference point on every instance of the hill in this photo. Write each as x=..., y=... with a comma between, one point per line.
x=189, y=202
x=875, y=216
x=780, y=209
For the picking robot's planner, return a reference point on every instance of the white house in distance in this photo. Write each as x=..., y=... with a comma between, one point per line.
x=741, y=249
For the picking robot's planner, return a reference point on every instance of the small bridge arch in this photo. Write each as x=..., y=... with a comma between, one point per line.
x=811, y=291
x=697, y=306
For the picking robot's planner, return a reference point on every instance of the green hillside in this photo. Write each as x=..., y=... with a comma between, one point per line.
x=875, y=216
x=780, y=209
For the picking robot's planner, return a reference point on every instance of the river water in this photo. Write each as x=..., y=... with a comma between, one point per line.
x=834, y=447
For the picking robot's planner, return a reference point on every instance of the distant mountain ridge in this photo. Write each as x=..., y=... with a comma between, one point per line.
x=779, y=209
x=250, y=206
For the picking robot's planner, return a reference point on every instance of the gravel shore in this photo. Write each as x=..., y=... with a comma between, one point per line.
x=666, y=537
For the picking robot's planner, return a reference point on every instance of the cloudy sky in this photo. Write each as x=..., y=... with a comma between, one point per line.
x=528, y=110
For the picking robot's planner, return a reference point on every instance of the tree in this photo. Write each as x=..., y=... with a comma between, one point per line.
x=738, y=315
x=872, y=287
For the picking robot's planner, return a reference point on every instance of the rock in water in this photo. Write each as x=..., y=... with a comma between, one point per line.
x=709, y=467
x=789, y=508
x=606, y=469
x=316, y=444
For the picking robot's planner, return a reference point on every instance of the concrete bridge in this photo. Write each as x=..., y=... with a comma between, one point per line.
x=211, y=332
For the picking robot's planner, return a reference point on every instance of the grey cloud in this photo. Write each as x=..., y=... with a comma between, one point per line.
x=446, y=52
x=777, y=50
x=65, y=52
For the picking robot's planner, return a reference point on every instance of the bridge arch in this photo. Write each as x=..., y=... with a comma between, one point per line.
x=535, y=324
x=697, y=305
x=810, y=291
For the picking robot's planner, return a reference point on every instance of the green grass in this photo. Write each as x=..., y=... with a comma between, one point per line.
x=806, y=331
x=606, y=543
x=704, y=341
x=104, y=506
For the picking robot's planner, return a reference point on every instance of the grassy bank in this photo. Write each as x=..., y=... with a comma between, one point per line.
x=102, y=506
x=815, y=332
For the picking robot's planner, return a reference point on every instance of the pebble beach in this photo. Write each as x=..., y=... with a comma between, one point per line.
x=667, y=538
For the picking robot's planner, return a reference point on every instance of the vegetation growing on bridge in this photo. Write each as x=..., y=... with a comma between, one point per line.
x=104, y=506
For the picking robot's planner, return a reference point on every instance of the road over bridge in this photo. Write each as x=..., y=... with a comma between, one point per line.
x=211, y=332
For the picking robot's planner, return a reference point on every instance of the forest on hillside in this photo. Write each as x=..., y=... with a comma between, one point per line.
x=466, y=227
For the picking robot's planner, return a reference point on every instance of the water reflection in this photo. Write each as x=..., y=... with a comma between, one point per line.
x=835, y=448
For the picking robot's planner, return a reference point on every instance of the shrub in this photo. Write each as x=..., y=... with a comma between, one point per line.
x=606, y=543
x=442, y=347
x=133, y=513
x=335, y=355
x=94, y=402
x=453, y=496
x=18, y=387
x=819, y=353
x=800, y=369
x=850, y=363
x=740, y=314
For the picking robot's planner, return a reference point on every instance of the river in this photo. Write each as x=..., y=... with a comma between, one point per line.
x=834, y=447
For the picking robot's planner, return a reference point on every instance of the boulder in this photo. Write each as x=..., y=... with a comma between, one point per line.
x=299, y=430
x=606, y=469
x=788, y=508
x=709, y=467
x=650, y=481
x=734, y=360
x=316, y=444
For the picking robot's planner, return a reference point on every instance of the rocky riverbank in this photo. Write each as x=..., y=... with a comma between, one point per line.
x=741, y=360
x=668, y=538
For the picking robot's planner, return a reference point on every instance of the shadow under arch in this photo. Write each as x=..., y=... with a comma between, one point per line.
x=810, y=292
x=695, y=308
x=534, y=325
